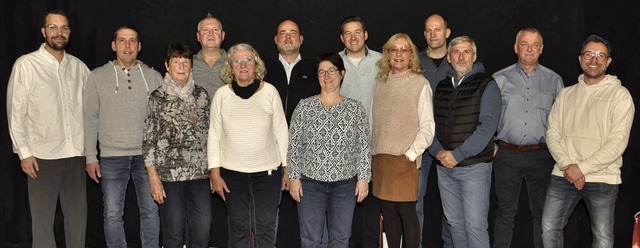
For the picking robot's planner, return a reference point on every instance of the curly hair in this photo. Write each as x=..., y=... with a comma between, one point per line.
x=226, y=73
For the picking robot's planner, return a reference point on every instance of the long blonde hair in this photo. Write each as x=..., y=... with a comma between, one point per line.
x=384, y=67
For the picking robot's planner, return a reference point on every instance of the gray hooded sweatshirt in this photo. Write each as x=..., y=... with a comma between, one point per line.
x=115, y=107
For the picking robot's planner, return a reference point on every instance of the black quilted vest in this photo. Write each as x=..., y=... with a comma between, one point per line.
x=456, y=113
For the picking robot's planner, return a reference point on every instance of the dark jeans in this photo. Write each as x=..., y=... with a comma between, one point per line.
x=510, y=167
x=187, y=204
x=252, y=194
x=365, y=229
x=400, y=222
x=330, y=201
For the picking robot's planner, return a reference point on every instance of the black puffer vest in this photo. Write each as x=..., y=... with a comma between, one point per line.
x=456, y=113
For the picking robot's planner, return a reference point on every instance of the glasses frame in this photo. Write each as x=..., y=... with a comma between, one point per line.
x=331, y=71
x=54, y=28
x=600, y=56
x=245, y=61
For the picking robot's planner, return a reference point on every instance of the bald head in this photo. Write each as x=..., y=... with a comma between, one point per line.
x=288, y=38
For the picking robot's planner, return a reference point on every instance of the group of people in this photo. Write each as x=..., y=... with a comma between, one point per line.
x=328, y=131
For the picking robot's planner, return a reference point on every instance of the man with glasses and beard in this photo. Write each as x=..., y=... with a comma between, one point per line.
x=44, y=110
x=589, y=126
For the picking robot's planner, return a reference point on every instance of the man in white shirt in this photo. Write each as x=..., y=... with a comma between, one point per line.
x=44, y=110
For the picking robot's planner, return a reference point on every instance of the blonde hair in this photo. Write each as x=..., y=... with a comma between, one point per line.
x=226, y=73
x=384, y=67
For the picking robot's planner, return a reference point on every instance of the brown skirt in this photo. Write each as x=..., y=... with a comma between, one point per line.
x=394, y=178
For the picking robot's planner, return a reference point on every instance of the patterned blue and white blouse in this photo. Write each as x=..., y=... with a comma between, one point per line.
x=329, y=144
x=172, y=143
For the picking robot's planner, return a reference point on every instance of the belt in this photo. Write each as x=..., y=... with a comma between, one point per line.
x=522, y=148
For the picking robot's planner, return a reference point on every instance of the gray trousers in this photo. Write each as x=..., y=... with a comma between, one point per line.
x=66, y=179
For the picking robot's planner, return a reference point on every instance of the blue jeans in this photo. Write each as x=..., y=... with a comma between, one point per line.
x=116, y=172
x=423, y=179
x=465, y=201
x=187, y=204
x=562, y=198
x=333, y=201
x=252, y=194
x=509, y=168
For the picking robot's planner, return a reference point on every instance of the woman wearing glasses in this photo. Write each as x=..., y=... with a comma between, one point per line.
x=175, y=139
x=402, y=129
x=247, y=144
x=329, y=158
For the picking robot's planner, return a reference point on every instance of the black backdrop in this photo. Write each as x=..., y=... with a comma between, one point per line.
x=492, y=23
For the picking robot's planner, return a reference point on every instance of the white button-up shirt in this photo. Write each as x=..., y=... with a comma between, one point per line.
x=44, y=105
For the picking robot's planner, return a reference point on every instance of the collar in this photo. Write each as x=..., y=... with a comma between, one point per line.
x=366, y=51
x=47, y=56
x=284, y=62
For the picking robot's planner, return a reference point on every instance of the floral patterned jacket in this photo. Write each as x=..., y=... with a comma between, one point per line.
x=177, y=147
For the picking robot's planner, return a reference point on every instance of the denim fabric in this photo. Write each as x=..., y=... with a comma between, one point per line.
x=65, y=180
x=509, y=168
x=333, y=201
x=562, y=198
x=423, y=180
x=188, y=204
x=422, y=190
x=252, y=194
x=116, y=172
x=465, y=201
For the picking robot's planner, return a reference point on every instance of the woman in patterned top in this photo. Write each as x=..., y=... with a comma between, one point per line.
x=174, y=148
x=329, y=158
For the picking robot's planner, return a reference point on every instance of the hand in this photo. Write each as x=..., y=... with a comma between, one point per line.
x=295, y=190
x=93, y=170
x=30, y=166
x=362, y=190
x=285, y=179
x=217, y=184
x=446, y=159
x=572, y=172
x=574, y=175
x=580, y=183
x=157, y=190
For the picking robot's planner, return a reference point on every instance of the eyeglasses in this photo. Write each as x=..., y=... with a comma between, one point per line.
x=55, y=28
x=331, y=71
x=600, y=56
x=245, y=60
x=398, y=50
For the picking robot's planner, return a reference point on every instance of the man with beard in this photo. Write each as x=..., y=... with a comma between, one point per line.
x=44, y=110
x=359, y=83
x=115, y=106
x=466, y=109
x=436, y=68
x=208, y=62
x=589, y=126
x=295, y=78
x=528, y=91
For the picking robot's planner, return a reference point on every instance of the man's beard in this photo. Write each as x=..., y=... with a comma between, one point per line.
x=55, y=46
